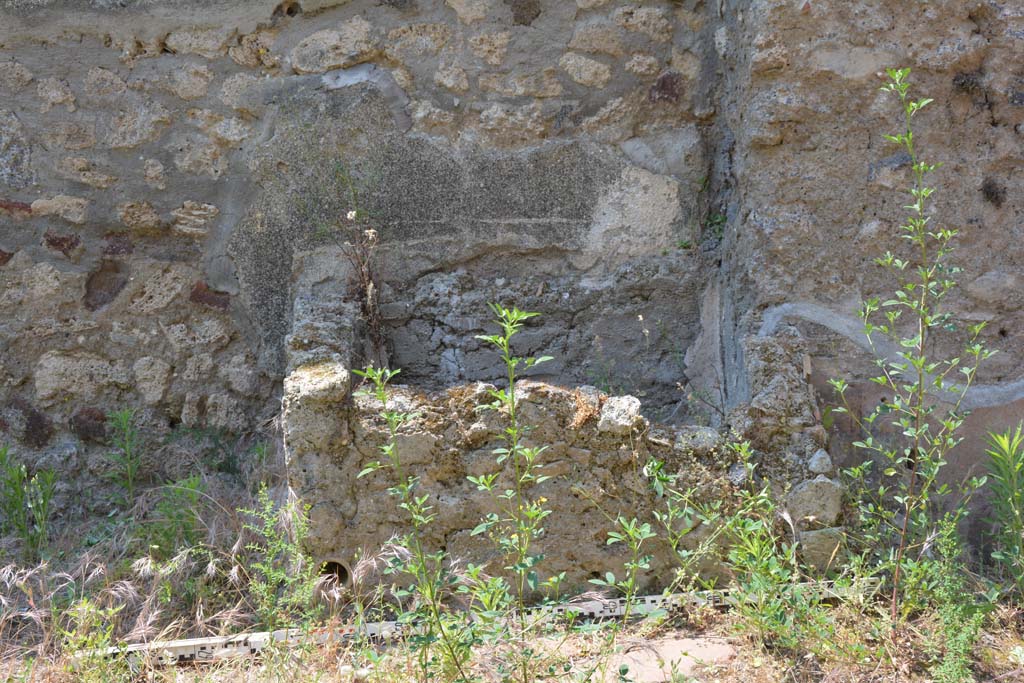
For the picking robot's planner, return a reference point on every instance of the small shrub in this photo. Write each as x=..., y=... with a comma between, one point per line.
x=283, y=578
x=126, y=458
x=960, y=615
x=766, y=593
x=25, y=503
x=175, y=521
x=680, y=515
x=87, y=636
x=1006, y=479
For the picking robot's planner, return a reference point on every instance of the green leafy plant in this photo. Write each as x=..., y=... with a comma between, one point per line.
x=176, y=520
x=25, y=503
x=126, y=458
x=88, y=635
x=520, y=520
x=283, y=578
x=960, y=615
x=715, y=225
x=1006, y=481
x=903, y=505
x=633, y=534
x=431, y=581
x=680, y=515
x=766, y=591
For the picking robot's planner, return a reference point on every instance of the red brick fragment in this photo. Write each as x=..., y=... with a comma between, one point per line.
x=118, y=244
x=668, y=87
x=14, y=209
x=89, y=424
x=104, y=284
x=33, y=426
x=202, y=294
x=68, y=245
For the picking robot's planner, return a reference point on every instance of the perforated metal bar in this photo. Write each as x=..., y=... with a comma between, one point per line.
x=199, y=650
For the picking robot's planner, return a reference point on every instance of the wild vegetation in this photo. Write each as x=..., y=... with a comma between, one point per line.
x=171, y=561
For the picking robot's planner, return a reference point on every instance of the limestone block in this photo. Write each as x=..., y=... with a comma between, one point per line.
x=153, y=174
x=137, y=125
x=354, y=42
x=67, y=134
x=152, y=377
x=313, y=426
x=14, y=75
x=197, y=155
x=83, y=171
x=820, y=462
x=239, y=374
x=190, y=409
x=699, y=441
x=653, y=22
x=620, y=415
x=598, y=37
x=192, y=219
x=102, y=83
x=327, y=382
x=470, y=11
x=224, y=411
x=71, y=209
x=205, y=42
x=543, y=83
x=615, y=121
x=821, y=549
x=235, y=91
x=155, y=285
x=191, y=81
x=139, y=216
x=509, y=125
x=53, y=91
x=416, y=40
x=452, y=77
x=198, y=367
x=819, y=500
x=586, y=71
x=210, y=335
x=426, y=116
x=78, y=374
x=254, y=52
x=491, y=47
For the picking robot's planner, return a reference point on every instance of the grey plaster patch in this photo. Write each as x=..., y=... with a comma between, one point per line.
x=15, y=152
x=978, y=396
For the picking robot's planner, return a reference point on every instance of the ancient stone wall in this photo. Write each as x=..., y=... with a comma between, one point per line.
x=691, y=193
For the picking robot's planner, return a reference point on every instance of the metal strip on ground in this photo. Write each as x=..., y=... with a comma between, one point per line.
x=200, y=650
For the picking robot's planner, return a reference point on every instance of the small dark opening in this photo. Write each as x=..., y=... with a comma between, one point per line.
x=911, y=461
x=287, y=9
x=1003, y=332
x=336, y=570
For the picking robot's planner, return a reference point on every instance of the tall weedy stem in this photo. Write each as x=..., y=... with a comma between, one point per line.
x=521, y=519
x=427, y=570
x=916, y=380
